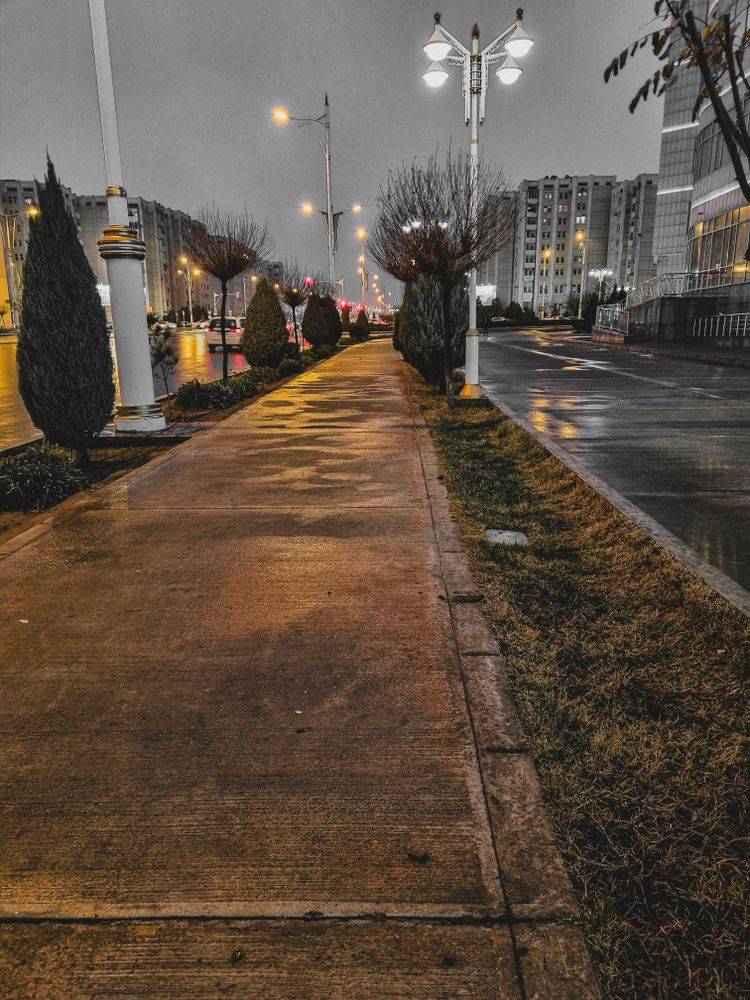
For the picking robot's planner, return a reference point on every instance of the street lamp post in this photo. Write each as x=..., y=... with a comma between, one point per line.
x=546, y=255
x=601, y=273
x=281, y=116
x=513, y=43
x=124, y=252
x=362, y=237
x=582, y=238
x=189, y=280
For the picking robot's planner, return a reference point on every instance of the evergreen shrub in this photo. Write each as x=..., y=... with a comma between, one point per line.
x=65, y=369
x=265, y=338
x=314, y=329
x=37, y=478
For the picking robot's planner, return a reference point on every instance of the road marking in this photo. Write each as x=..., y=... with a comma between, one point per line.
x=605, y=367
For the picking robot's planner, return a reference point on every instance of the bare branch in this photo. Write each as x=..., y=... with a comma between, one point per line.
x=224, y=244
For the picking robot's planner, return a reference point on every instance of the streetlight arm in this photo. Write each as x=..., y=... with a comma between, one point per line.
x=491, y=50
x=455, y=43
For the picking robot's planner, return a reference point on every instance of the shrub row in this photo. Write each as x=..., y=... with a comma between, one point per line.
x=195, y=395
x=37, y=478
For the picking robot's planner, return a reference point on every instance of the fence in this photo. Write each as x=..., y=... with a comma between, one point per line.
x=688, y=283
x=614, y=317
x=723, y=325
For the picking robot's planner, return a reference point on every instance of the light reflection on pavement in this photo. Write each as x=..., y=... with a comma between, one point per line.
x=196, y=361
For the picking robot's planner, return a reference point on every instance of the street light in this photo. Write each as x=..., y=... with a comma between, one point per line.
x=14, y=279
x=124, y=252
x=186, y=270
x=511, y=44
x=282, y=117
x=362, y=237
x=546, y=257
x=583, y=241
x=601, y=273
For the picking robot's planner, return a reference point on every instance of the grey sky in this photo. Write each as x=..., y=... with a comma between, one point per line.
x=195, y=83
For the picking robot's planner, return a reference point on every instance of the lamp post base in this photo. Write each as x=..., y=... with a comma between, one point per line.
x=146, y=419
x=470, y=391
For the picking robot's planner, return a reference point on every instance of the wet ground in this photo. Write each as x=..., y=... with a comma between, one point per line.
x=672, y=436
x=196, y=361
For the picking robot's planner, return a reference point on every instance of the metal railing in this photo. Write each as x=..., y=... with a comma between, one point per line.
x=614, y=317
x=723, y=325
x=688, y=283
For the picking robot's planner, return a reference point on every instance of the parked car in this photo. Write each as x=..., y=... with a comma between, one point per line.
x=233, y=329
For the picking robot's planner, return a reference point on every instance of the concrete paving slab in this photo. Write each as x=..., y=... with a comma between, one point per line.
x=273, y=960
x=232, y=688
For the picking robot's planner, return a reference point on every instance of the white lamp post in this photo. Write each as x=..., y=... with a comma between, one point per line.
x=601, y=273
x=282, y=117
x=124, y=252
x=511, y=44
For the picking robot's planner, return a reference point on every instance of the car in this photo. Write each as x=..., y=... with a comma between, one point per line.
x=234, y=327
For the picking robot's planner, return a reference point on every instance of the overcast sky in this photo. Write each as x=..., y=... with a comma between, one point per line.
x=195, y=83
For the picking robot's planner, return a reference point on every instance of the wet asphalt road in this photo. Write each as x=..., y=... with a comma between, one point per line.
x=195, y=362
x=672, y=436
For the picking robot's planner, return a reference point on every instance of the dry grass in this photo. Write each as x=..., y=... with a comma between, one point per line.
x=630, y=676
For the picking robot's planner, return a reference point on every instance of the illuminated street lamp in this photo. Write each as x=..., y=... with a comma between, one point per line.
x=583, y=241
x=362, y=237
x=441, y=47
x=546, y=257
x=14, y=279
x=601, y=273
x=188, y=271
x=282, y=117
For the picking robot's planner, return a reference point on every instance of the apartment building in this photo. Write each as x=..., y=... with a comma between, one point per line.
x=550, y=263
x=630, y=254
x=495, y=276
x=163, y=230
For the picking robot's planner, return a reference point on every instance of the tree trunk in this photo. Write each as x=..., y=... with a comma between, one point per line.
x=225, y=375
x=447, y=290
x=294, y=320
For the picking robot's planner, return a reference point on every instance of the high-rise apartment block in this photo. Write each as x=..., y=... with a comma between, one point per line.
x=164, y=231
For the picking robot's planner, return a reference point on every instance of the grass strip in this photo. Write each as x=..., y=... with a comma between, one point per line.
x=630, y=676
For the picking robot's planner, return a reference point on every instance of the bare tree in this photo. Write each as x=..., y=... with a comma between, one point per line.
x=716, y=45
x=225, y=244
x=440, y=219
x=296, y=286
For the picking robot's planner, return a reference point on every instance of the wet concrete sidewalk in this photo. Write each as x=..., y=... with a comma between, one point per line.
x=255, y=741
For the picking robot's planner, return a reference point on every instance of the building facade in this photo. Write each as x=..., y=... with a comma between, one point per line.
x=167, y=271
x=630, y=254
x=551, y=260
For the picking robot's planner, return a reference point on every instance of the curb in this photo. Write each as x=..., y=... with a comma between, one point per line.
x=551, y=954
x=732, y=592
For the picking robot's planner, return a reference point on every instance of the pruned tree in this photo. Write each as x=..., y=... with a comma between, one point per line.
x=440, y=219
x=296, y=285
x=224, y=245
x=314, y=328
x=715, y=45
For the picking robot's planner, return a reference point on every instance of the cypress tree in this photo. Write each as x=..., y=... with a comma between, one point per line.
x=421, y=328
x=333, y=320
x=65, y=370
x=265, y=338
x=460, y=323
x=314, y=329
x=361, y=329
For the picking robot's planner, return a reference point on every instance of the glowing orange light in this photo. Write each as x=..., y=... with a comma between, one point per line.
x=280, y=115
x=307, y=208
x=361, y=233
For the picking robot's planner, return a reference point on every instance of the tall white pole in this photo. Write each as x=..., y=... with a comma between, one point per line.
x=329, y=197
x=583, y=275
x=471, y=388
x=124, y=252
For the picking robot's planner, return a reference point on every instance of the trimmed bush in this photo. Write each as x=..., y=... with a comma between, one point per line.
x=291, y=366
x=346, y=319
x=361, y=329
x=396, y=338
x=37, y=478
x=65, y=370
x=265, y=338
x=460, y=323
x=332, y=319
x=421, y=329
x=314, y=328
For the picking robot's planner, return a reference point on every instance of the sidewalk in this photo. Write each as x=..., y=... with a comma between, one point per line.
x=254, y=740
